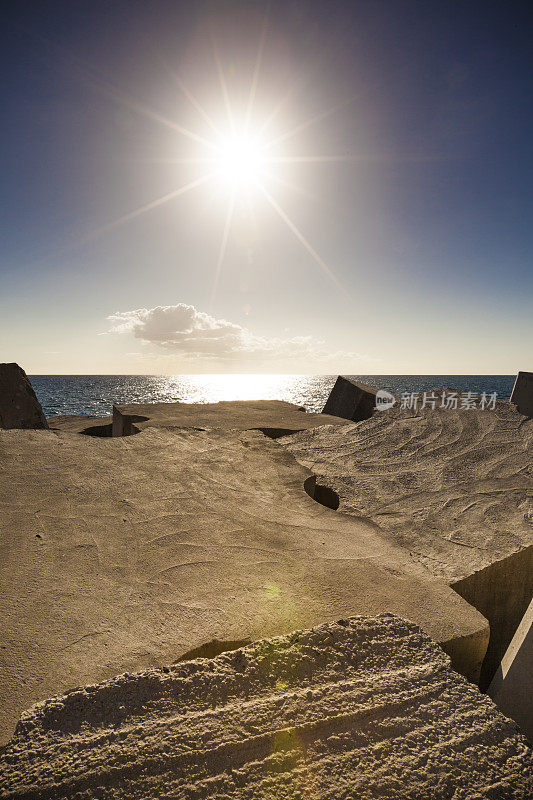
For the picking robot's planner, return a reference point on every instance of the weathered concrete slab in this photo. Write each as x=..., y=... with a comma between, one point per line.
x=454, y=488
x=522, y=395
x=351, y=400
x=365, y=708
x=274, y=417
x=19, y=407
x=512, y=686
x=125, y=553
x=501, y=592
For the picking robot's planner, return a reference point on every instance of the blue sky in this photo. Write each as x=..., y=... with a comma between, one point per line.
x=406, y=249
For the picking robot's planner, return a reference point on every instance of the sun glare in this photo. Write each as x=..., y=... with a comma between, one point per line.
x=245, y=161
x=240, y=161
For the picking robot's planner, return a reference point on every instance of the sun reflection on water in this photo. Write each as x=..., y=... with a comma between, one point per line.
x=215, y=388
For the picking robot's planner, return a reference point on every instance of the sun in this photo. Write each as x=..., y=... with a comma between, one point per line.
x=238, y=155
x=240, y=161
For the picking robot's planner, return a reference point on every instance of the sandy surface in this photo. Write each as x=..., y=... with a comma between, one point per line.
x=125, y=553
x=367, y=708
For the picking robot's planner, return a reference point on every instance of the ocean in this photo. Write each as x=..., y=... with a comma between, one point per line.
x=95, y=394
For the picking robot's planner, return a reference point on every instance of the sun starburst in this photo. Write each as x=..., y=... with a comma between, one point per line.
x=241, y=159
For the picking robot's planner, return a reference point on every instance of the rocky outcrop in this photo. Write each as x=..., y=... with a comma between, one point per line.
x=19, y=407
x=366, y=708
x=351, y=400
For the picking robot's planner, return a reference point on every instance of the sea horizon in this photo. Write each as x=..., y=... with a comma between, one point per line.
x=95, y=394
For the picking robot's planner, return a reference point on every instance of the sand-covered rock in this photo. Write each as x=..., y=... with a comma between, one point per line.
x=366, y=708
x=125, y=553
x=19, y=407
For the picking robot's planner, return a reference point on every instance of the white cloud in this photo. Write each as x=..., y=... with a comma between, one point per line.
x=183, y=330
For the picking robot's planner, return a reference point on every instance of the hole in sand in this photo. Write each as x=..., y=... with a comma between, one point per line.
x=276, y=433
x=321, y=494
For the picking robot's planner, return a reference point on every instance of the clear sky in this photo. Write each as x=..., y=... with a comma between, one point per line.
x=251, y=187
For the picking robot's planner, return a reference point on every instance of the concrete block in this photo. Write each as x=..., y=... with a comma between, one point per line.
x=274, y=418
x=19, y=407
x=174, y=538
x=365, y=708
x=522, y=395
x=351, y=400
x=451, y=487
x=123, y=424
x=512, y=686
